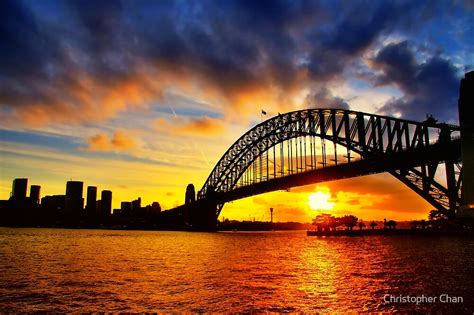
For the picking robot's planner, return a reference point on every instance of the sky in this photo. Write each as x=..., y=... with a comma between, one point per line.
x=144, y=97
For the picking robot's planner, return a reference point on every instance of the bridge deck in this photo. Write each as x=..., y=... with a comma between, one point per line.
x=376, y=164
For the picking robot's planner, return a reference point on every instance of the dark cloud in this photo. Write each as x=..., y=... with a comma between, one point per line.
x=26, y=53
x=323, y=98
x=429, y=87
x=87, y=60
x=356, y=26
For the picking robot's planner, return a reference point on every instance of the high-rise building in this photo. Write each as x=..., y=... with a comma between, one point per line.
x=190, y=195
x=53, y=203
x=35, y=193
x=126, y=207
x=74, y=200
x=106, y=203
x=19, y=188
x=137, y=205
x=466, y=121
x=91, y=199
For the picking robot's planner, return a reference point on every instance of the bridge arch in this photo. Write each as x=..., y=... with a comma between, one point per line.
x=371, y=137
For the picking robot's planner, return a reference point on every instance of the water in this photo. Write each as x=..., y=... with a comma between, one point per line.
x=98, y=270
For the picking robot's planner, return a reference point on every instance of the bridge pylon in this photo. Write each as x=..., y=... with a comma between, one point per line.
x=201, y=215
x=466, y=121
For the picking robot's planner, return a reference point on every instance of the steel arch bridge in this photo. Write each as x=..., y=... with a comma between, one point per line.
x=316, y=145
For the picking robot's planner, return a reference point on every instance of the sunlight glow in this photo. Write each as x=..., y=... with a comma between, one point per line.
x=320, y=201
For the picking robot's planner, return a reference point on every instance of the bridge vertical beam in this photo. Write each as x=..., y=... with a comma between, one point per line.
x=426, y=180
x=334, y=133
x=427, y=136
x=451, y=183
x=322, y=131
x=379, y=134
x=347, y=135
x=466, y=121
x=361, y=130
x=389, y=136
x=373, y=133
x=407, y=135
x=398, y=143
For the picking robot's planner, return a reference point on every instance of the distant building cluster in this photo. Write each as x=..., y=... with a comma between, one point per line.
x=69, y=210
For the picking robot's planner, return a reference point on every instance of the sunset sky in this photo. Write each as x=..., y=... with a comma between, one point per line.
x=144, y=97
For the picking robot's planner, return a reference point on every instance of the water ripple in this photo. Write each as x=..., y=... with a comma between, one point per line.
x=48, y=270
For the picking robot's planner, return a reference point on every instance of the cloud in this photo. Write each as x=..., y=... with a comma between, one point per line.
x=81, y=61
x=201, y=126
x=323, y=98
x=119, y=141
x=429, y=86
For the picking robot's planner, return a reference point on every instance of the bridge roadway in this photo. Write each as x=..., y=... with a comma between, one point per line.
x=372, y=165
x=448, y=151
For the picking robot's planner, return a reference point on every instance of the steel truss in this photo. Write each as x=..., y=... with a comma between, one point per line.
x=296, y=143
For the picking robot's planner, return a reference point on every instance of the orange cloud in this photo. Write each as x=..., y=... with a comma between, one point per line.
x=120, y=141
x=85, y=98
x=204, y=126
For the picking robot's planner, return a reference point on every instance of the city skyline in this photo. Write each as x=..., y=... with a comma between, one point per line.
x=149, y=112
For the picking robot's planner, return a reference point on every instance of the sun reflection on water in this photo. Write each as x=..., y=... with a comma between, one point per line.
x=80, y=270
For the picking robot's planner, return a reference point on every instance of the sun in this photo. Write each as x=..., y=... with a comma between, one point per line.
x=320, y=201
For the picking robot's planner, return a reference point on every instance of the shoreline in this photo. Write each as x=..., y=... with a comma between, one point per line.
x=376, y=232
x=365, y=232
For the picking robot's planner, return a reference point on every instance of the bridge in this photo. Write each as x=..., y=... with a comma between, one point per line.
x=324, y=144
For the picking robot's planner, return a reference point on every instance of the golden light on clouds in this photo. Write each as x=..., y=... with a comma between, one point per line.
x=320, y=200
x=120, y=141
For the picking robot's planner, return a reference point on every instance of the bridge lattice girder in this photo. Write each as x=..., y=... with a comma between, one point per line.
x=369, y=135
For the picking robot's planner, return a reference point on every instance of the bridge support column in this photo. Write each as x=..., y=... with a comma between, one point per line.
x=203, y=216
x=466, y=121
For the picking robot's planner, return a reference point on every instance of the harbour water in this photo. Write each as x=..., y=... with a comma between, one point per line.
x=107, y=270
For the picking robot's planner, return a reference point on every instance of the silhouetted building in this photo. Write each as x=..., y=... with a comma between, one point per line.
x=131, y=208
x=19, y=188
x=137, y=205
x=466, y=122
x=106, y=203
x=126, y=207
x=35, y=193
x=190, y=196
x=53, y=203
x=155, y=206
x=152, y=211
x=91, y=199
x=74, y=200
x=4, y=205
x=98, y=206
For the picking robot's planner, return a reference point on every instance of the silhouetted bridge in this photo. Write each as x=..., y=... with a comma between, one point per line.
x=317, y=145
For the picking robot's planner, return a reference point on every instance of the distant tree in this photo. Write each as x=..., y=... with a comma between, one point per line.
x=436, y=215
x=334, y=223
x=373, y=224
x=423, y=224
x=391, y=224
x=324, y=221
x=414, y=224
x=361, y=225
x=439, y=219
x=349, y=221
